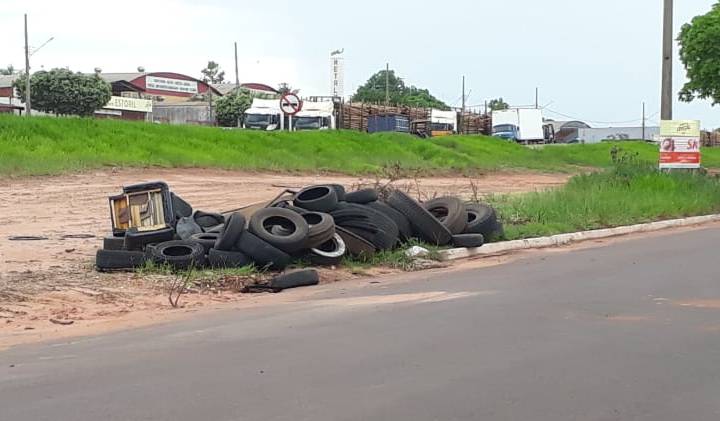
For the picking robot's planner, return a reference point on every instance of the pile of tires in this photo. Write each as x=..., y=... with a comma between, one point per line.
x=320, y=225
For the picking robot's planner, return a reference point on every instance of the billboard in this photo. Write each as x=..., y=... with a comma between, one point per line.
x=680, y=144
x=171, y=85
x=129, y=104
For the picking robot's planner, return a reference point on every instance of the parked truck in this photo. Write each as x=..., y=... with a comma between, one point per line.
x=523, y=125
x=263, y=114
x=315, y=116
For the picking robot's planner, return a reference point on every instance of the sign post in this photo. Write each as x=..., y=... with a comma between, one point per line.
x=680, y=144
x=290, y=104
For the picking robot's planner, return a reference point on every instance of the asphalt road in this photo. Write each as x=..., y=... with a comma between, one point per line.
x=626, y=332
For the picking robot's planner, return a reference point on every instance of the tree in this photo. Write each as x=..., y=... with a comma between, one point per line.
x=62, y=92
x=10, y=69
x=212, y=73
x=701, y=57
x=373, y=91
x=498, y=104
x=285, y=88
x=230, y=108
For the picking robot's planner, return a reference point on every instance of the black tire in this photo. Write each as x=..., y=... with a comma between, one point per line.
x=322, y=228
x=368, y=223
x=262, y=222
x=468, y=240
x=424, y=224
x=404, y=228
x=179, y=254
x=339, y=191
x=355, y=244
x=186, y=227
x=219, y=259
x=234, y=227
x=181, y=208
x=208, y=220
x=117, y=260
x=206, y=239
x=264, y=255
x=329, y=253
x=295, y=279
x=137, y=240
x=481, y=218
x=317, y=198
x=450, y=211
x=362, y=196
x=112, y=242
x=218, y=229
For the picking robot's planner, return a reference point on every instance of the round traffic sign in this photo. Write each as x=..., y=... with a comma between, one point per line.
x=290, y=104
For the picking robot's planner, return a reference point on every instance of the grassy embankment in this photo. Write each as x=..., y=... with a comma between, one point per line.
x=40, y=146
x=629, y=193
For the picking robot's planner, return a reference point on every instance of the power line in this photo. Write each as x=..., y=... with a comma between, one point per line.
x=598, y=122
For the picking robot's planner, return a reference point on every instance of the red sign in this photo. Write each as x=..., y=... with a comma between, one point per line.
x=680, y=152
x=290, y=104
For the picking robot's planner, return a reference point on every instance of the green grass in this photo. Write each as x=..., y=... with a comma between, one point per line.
x=39, y=146
x=628, y=194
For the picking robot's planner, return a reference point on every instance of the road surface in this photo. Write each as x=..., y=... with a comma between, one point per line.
x=625, y=332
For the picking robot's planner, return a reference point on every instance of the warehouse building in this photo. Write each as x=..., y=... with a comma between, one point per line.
x=163, y=87
x=9, y=103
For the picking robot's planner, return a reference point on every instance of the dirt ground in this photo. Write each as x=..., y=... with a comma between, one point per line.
x=51, y=281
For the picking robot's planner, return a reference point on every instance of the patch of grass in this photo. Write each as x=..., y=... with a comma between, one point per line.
x=395, y=259
x=44, y=145
x=205, y=276
x=629, y=193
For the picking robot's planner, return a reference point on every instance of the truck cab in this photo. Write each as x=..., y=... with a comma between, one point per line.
x=315, y=116
x=506, y=131
x=263, y=114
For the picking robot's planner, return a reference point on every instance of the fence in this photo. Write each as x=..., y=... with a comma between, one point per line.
x=710, y=139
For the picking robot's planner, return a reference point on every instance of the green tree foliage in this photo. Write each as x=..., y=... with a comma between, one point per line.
x=63, y=92
x=700, y=54
x=10, y=69
x=373, y=91
x=498, y=104
x=231, y=107
x=212, y=73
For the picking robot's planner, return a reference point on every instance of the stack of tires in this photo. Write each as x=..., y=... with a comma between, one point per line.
x=320, y=224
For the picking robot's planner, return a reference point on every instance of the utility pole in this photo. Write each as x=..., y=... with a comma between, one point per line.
x=387, y=84
x=462, y=112
x=667, y=65
x=27, y=72
x=537, y=98
x=643, y=120
x=237, y=77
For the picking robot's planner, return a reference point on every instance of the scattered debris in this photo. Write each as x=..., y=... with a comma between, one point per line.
x=62, y=322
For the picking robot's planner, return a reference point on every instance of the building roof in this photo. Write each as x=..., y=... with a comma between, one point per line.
x=260, y=87
x=117, y=77
x=574, y=124
x=224, y=88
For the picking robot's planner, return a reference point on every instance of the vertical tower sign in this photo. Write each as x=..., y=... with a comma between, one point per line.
x=337, y=69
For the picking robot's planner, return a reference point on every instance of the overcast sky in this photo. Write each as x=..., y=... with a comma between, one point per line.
x=592, y=60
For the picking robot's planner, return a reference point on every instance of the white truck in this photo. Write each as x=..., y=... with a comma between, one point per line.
x=264, y=114
x=315, y=116
x=521, y=125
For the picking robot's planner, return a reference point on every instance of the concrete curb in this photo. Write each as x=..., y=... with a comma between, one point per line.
x=561, y=239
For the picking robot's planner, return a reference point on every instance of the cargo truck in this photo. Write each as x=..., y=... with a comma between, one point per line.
x=523, y=125
x=315, y=116
x=263, y=114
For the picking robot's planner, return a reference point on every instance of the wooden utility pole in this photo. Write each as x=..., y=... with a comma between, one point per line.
x=462, y=111
x=27, y=72
x=387, y=84
x=643, y=120
x=667, y=65
x=237, y=77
